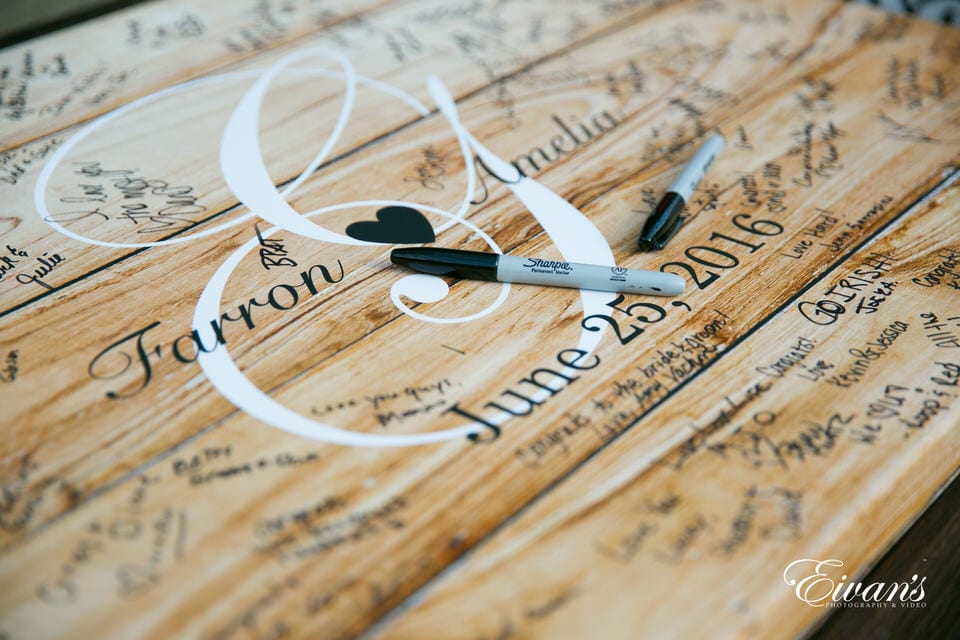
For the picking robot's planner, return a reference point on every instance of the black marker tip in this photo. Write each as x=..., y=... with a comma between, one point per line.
x=472, y=265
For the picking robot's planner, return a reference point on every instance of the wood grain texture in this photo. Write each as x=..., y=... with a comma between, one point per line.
x=798, y=401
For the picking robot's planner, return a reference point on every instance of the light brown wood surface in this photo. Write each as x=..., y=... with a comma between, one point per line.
x=800, y=403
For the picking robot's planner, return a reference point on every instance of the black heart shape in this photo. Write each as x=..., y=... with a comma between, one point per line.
x=394, y=225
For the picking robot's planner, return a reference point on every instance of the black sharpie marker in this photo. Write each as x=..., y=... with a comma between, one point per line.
x=665, y=220
x=477, y=265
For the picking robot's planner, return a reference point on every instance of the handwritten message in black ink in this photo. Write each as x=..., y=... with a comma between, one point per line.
x=272, y=252
x=152, y=205
x=29, y=270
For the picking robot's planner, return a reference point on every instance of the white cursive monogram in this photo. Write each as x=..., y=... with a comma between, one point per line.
x=246, y=174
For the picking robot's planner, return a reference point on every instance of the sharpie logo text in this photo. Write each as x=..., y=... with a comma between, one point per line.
x=537, y=263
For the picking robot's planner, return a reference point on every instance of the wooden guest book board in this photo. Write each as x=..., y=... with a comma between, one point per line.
x=227, y=415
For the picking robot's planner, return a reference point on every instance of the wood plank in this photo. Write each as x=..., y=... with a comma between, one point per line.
x=140, y=502
x=55, y=81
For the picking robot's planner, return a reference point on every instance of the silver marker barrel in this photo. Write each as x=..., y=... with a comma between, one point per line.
x=477, y=265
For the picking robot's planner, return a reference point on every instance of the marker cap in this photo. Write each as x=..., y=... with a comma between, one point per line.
x=662, y=223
